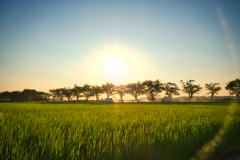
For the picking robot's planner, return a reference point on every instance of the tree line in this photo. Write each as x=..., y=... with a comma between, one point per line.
x=149, y=88
x=24, y=96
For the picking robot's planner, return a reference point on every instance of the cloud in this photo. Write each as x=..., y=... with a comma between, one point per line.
x=228, y=35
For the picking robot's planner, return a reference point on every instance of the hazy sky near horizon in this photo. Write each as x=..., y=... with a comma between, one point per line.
x=53, y=44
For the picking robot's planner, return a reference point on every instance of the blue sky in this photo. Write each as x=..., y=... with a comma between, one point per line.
x=53, y=44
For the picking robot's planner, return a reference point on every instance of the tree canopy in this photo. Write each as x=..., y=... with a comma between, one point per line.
x=153, y=88
x=30, y=95
x=234, y=87
x=213, y=88
x=171, y=89
x=190, y=88
x=121, y=91
x=77, y=91
x=97, y=91
x=67, y=92
x=150, y=88
x=59, y=93
x=87, y=91
x=108, y=89
x=135, y=89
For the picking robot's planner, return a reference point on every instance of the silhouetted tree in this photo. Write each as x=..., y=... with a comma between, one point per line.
x=234, y=87
x=67, y=92
x=135, y=89
x=30, y=95
x=59, y=93
x=190, y=88
x=213, y=88
x=15, y=96
x=97, y=91
x=121, y=91
x=152, y=88
x=53, y=93
x=109, y=89
x=77, y=91
x=43, y=96
x=87, y=91
x=5, y=96
x=171, y=89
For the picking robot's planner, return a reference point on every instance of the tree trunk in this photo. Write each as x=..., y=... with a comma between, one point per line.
x=77, y=98
x=237, y=97
x=212, y=96
x=97, y=97
x=135, y=97
x=152, y=97
x=190, y=98
x=121, y=98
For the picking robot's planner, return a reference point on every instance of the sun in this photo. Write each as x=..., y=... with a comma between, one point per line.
x=116, y=68
x=115, y=63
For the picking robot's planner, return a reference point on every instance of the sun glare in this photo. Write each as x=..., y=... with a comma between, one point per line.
x=116, y=68
x=117, y=64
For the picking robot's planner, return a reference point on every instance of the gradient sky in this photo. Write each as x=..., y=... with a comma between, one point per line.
x=52, y=44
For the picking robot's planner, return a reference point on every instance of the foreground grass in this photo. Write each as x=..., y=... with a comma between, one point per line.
x=177, y=131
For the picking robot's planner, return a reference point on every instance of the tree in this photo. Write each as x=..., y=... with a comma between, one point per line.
x=152, y=88
x=77, y=91
x=59, y=93
x=87, y=91
x=234, y=87
x=109, y=89
x=121, y=91
x=43, y=96
x=97, y=91
x=190, y=88
x=5, y=96
x=15, y=96
x=171, y=89
x=135, y=89
x=213, y=89
x=53, y=93
x=30, y=95
x=67, y=92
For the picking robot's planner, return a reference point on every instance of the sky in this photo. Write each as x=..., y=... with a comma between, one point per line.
x=53, y=44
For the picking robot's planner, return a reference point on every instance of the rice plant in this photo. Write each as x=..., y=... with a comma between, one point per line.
x=173, y=131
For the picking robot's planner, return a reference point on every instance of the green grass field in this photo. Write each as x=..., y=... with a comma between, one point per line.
x=170, y=131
